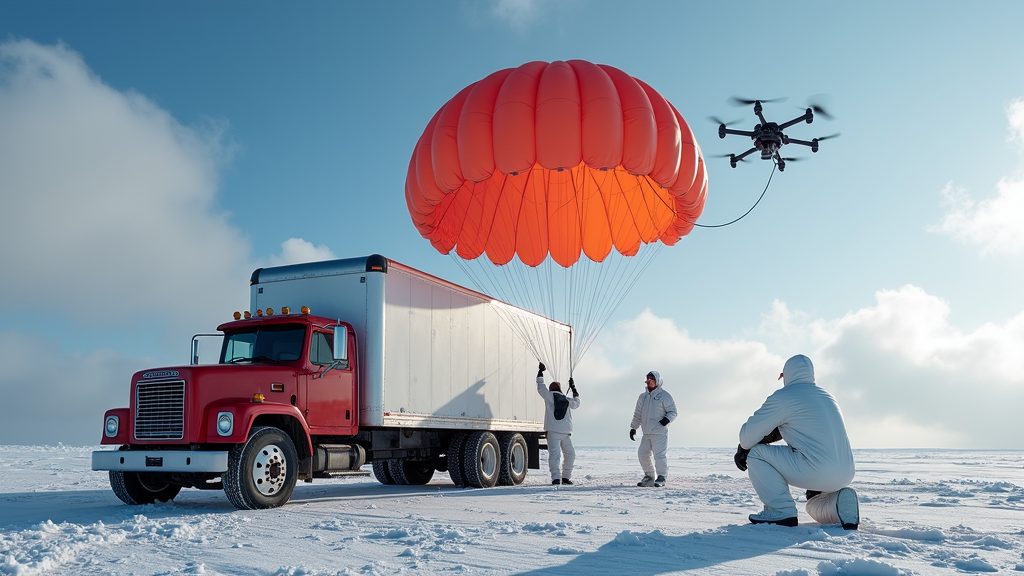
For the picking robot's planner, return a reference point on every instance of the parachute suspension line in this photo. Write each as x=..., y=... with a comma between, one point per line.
x=532, y=336
x=615, y=287
x=776, y=165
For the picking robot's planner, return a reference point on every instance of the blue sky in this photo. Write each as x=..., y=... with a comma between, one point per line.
x=153, y=154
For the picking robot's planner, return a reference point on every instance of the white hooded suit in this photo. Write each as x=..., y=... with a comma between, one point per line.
x=651, y=407
x=561, y=453
x=817, y=454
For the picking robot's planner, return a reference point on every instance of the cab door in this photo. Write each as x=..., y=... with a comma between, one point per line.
x=330, y=394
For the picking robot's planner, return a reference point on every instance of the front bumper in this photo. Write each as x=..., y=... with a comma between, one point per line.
x=160, y=461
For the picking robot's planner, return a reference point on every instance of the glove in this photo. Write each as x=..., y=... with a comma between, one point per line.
x=773, y=436
x=741, y=458
x=572, y=387
x=540, y=369
x=664, y=421
x=632, y=434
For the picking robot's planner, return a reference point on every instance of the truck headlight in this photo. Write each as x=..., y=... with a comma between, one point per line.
x=225, y=423
x=110, y=426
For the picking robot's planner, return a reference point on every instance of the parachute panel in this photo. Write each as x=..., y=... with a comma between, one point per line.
x=476, y=127
x=601, y=116
x=515, y=141
x=559, y=145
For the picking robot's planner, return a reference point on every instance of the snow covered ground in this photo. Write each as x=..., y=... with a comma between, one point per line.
x=922, y=512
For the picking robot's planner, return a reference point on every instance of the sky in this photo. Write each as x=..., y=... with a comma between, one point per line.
x=152, y=155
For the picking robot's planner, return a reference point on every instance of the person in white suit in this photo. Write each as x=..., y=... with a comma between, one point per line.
x=655, y=409
x=816, y=457
x=558, y=424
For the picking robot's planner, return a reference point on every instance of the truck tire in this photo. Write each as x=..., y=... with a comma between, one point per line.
x=141, y=488
x=513, y=459
x=411, y=472
x=262, y=472
x=481, y=459
x=382, y=472
x=454, y=458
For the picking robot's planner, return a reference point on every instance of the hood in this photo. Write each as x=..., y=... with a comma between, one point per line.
x=657, y=378
x=798, y=370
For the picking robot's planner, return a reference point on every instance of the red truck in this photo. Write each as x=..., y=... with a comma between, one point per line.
x=335, y=365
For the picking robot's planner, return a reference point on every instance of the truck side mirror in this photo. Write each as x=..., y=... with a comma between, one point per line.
x=341, y=344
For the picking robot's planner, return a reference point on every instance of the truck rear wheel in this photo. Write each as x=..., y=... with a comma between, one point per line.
x=262, y=472
x=454, y=457
x=382, y=472
x=141, y=488
x=411, y=472
x=481, y=461
x=513, y=459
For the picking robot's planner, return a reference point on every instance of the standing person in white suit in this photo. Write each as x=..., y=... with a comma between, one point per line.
x=558, y=425
x=655, y=409
x=817, y=456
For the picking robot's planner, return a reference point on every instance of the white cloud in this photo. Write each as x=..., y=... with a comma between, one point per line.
x=904, y=376
x=518, y=13
x=51, y=396
x=992, y=223
x=297, y=250
x=109, y=211
x=109, y=220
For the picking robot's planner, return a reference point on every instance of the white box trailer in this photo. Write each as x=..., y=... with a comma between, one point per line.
x=433, y=354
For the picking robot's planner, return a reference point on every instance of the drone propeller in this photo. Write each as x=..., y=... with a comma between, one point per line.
x=737, y=101
x=836, y=135
x=744, y=159
x=793, y=159
x=817, y=103
x=720, y=123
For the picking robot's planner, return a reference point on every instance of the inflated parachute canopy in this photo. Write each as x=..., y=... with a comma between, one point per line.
x=559, y=159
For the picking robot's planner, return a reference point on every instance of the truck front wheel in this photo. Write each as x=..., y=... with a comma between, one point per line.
x=261, y=473
x=141, y=488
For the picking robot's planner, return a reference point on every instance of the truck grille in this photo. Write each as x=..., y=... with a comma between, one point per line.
x=160, y=410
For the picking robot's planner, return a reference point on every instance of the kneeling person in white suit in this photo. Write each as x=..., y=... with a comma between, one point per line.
x=817, y=456
x=558, y=425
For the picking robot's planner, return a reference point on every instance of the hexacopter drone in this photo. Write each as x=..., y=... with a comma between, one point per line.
x=768, y=136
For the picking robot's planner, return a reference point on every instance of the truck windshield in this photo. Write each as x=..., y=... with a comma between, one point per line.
x=266, y=344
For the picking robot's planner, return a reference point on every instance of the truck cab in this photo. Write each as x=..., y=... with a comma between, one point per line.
x=275, y=371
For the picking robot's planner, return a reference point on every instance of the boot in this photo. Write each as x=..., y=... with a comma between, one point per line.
x=566, y=482
x=770, y=516
x=556, y=482
x=647, y=482
x=848, y=509
x=659, y=481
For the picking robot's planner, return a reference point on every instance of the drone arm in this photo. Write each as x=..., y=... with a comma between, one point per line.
x=807, y=116
x=813, y=145
x=739, y=157
x=722, y=133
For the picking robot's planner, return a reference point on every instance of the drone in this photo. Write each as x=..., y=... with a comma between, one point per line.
x=768, y=136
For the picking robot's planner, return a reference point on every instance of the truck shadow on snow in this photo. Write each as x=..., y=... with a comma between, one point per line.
x=440, y=486
x=21, y=510
x=643, y=554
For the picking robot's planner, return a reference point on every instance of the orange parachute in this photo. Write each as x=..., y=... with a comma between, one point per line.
x=539, y=165
x=559, y=159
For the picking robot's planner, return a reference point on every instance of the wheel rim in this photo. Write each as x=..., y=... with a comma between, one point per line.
x=269, y=470
x=153, y=487
x=517, y=459
x=488, y=460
